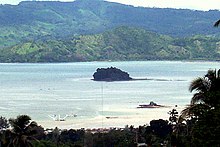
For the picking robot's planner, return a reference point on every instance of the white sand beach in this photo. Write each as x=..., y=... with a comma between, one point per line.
x=141, y=116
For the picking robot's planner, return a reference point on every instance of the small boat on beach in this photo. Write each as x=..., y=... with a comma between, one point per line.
x=59, y=118
x=150, y=105
x=111, y=117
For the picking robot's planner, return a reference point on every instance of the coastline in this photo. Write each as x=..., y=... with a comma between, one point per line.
x=140, y=117
x=67, y=89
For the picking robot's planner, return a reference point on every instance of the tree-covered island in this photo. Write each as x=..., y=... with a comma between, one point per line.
x=111, y=74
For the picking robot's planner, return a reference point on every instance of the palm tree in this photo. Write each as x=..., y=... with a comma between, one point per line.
x=204, y=110
x=206, y=97
x=23, y=131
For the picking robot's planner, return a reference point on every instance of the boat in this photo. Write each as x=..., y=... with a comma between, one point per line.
x=111, y=117
x=59, y=118
x=150, y=105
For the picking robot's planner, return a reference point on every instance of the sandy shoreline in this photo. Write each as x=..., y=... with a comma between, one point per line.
x=139, y=117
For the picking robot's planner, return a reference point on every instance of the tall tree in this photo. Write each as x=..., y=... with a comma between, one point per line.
x=23, y=131
x=3, y=126
x=204, y=110
x=206, y=97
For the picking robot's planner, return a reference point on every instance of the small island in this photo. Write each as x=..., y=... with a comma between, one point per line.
x=111, y=74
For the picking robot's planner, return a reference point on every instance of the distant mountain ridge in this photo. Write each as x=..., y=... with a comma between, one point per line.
x=88, y=30
x=31, y=20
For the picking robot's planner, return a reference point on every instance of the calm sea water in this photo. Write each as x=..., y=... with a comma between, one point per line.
x=40, y=90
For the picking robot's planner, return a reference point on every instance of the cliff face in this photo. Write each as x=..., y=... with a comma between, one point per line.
x=111, y=74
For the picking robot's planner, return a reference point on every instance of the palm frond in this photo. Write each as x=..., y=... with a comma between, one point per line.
x=217, y=23
x=23, y=120
x=23, y=130
x=181, y=119
x=197, y=97
x=15, y=127
x=200, y=84
x=33, y=124
x=186, y=112
x=194, y=110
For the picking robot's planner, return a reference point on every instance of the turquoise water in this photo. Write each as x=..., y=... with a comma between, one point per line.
x=40, y=90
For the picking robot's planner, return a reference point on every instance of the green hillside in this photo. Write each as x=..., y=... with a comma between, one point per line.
x=34, y=20
x=122, y=43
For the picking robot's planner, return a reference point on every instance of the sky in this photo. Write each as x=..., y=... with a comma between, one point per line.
x=183, y=4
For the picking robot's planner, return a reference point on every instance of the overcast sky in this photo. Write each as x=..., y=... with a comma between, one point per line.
x=189, y=4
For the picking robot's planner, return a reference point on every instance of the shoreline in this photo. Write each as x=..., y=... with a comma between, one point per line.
x=139, y=118
x=138, y=79
x=113, y=61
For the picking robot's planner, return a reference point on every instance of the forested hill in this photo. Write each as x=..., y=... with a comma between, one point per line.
x=122, y=43
x=33, y=20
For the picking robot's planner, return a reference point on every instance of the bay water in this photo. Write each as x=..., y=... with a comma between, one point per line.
x=43, y=89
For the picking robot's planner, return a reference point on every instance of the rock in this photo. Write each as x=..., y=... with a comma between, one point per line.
x=111, y=74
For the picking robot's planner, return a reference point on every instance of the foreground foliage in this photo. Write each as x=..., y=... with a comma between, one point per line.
x=25, y=133
x=199, y=123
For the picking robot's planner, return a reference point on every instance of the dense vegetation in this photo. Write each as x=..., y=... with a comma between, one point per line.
x=85, y=30
x=111, y=74
x=24, y=133
x=122, y=43
x=37, y=19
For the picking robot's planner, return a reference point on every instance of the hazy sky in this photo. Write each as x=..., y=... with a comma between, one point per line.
x=190, y=4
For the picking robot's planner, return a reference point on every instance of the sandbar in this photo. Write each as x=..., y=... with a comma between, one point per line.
x=136, y=117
